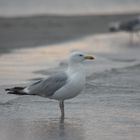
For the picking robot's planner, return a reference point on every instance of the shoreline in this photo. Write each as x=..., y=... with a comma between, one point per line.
x=43, y=61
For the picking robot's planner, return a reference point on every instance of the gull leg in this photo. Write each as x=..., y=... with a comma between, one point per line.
x=61, y=104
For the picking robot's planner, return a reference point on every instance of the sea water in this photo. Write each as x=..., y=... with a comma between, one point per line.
x=66, y=7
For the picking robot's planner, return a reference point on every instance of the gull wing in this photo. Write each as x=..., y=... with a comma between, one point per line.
x=47, y=87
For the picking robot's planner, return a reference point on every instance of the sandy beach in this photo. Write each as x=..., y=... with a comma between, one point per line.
x=35, y=47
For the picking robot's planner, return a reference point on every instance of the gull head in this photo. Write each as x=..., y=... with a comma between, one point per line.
x=78, y=57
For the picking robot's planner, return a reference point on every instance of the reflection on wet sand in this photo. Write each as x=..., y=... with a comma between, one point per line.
x=41, y=130
x=20, y=65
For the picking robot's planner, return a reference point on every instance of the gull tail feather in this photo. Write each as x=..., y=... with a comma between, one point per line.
x=16, y=90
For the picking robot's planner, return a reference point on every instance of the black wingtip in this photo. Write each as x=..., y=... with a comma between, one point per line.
x=16, y=90
x=7, y=89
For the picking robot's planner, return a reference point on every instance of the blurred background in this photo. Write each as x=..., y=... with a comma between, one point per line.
x=66, y=7
x=38, y=24
x=36, y=37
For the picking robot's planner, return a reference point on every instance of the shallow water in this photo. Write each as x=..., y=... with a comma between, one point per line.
x=107, y=109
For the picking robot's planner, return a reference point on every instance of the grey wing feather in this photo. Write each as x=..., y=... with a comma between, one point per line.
x=47, y=87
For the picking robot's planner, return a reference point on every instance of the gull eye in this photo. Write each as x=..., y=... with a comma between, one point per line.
x=80, y=55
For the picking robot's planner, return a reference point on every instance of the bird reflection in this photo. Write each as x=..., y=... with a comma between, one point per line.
x=43, y=130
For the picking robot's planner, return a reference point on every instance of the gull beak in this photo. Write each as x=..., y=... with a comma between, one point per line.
x=89, y=57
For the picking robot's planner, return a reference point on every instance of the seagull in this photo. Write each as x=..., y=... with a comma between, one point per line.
x=131, y=26
x=128, y=26
x=61, y=86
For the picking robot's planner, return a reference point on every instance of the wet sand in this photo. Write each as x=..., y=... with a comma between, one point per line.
x=107, y=109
